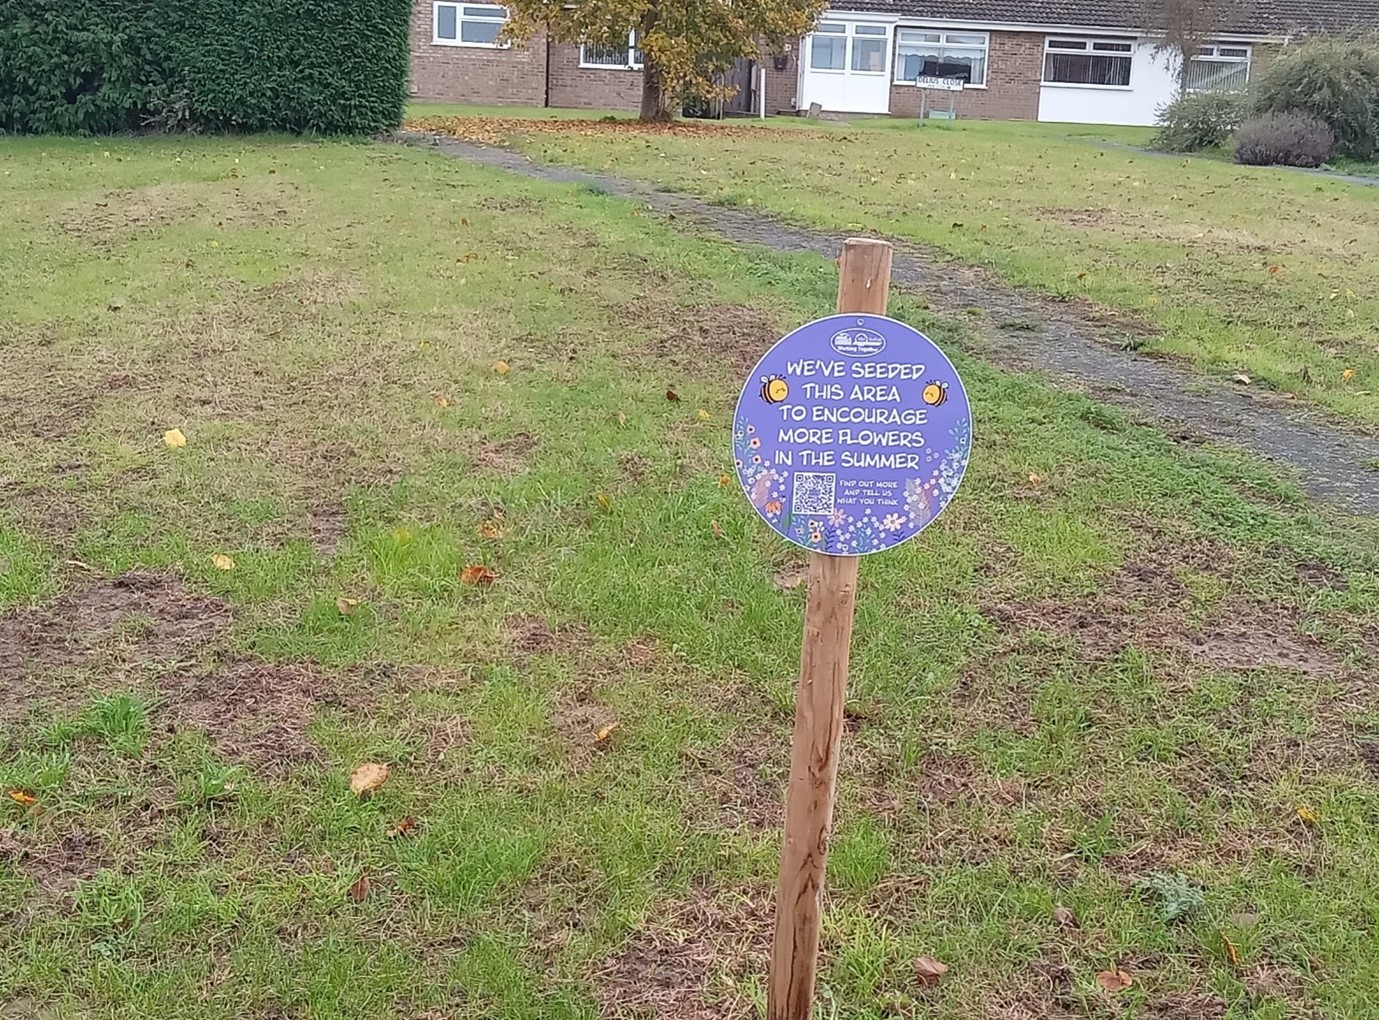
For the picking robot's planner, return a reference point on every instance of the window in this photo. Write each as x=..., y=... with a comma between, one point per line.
x=1224, y=67
x=869, y=44
x=623, y=58
x=468, y=25
x=828, y=46
x=1099, y=62
x=934, y=53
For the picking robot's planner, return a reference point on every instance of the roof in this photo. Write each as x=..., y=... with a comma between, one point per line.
x=1253, y=17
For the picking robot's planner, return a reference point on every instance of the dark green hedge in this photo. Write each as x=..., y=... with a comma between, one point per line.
x=96, y=66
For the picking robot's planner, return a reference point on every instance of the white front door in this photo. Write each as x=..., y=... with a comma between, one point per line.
x=846, y=67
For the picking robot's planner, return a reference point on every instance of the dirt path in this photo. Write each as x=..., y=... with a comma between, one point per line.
x=1028, y=332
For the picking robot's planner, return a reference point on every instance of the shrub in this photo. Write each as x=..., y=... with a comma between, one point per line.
x=1334, y=80
x=1199, y=120
x=1284, y=139
x=95, y=66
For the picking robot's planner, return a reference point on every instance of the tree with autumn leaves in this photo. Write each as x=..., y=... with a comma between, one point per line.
x=686, y=45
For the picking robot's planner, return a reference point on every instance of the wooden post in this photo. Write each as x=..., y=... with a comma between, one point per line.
x=864, y=281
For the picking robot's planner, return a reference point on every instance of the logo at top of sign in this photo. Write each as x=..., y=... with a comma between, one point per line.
x=845, y=452
x=858, y=342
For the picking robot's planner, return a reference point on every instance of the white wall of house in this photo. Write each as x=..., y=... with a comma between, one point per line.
x=1153, y=83
x=845, y=66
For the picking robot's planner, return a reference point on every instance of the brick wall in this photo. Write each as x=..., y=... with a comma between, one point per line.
x=782, y=86
x=591, y=88
x=474, y=74
x=1014, y=69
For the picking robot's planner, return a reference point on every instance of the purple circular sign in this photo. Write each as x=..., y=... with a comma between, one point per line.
x=852, y=434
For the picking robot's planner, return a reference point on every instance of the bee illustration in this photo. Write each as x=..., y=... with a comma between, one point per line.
x=774, y=389
x=935, y=393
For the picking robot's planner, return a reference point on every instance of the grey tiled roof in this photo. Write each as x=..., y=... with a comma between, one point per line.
x=1256, y=17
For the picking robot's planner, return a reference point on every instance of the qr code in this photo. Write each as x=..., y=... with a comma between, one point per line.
x=813, y=492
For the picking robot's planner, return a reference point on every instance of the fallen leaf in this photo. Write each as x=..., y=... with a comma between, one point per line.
x=1308, y=816
x=672, y=396
x=367, y=778
x=360, y=890
x=174, y=438
x=603, y=499
x=1065, y=917
x=346, y=605
x=222, y=562
x=1348, y=375
x=440, y=400
x=477, y=573
x=716, y=528
x=22, y=798
x=724, y=481
x=501, y=367
x=1232, y=950
x=790, y=578
x=1242, y=378
x=1082, y=276
x=1036, y=479
x=1275, y=270
x=491, y=529
x=1114, y=980
x=464, y=221
x=928, y=970
x=406, y=827
x=401, y=536
x=703, y=415
x=622, y=418
x=606, y=732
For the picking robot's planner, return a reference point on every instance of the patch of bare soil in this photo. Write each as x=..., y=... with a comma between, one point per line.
x=579, y=717
x=531, y=635
x=55, y=865
x=329, y=525
x=691, y=961
x=135, y=618
x=508, y=456
x=162, y=205
x=254, y=712
x=722, y=341
x=1145, y=603
x=741, y=782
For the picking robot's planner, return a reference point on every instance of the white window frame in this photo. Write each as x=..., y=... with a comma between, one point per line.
x=461, y=18
x=1089, y=46
x=633, y=53
x=873, y=33
x=943, y=34
x=845, y=35
x=1211, y=54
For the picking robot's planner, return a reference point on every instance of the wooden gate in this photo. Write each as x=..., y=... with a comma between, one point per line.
x=743, y=77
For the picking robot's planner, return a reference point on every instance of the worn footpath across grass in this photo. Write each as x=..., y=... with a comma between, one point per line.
x=1264, y=273
x=1115, y=712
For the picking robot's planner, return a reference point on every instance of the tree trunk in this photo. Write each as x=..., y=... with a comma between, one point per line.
x=653, y=92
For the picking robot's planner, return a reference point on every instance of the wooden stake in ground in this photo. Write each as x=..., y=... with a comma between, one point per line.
x=864, y=283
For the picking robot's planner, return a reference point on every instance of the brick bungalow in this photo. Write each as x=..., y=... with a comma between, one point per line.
x=1085, y=61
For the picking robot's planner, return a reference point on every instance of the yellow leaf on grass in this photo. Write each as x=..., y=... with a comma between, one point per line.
x=477, y=573
x=606, y=732
x=1036, y=479
x=622, y=418
x=1348, y=375
x=367, y=778
x=22, y=798
x=703, y=415
x=603, y=499
x=440, y=399
x=501, y=367
x=724, y=481
x=1308, y=816
x=174, y=438
x=346, y=605
x=222, y=562
x=491, y=529
x=401, y=536
x=1232, y=950
x=1114, y=980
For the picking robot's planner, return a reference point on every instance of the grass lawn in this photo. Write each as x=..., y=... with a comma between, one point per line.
x=1117, y=710
x=1268, y=272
